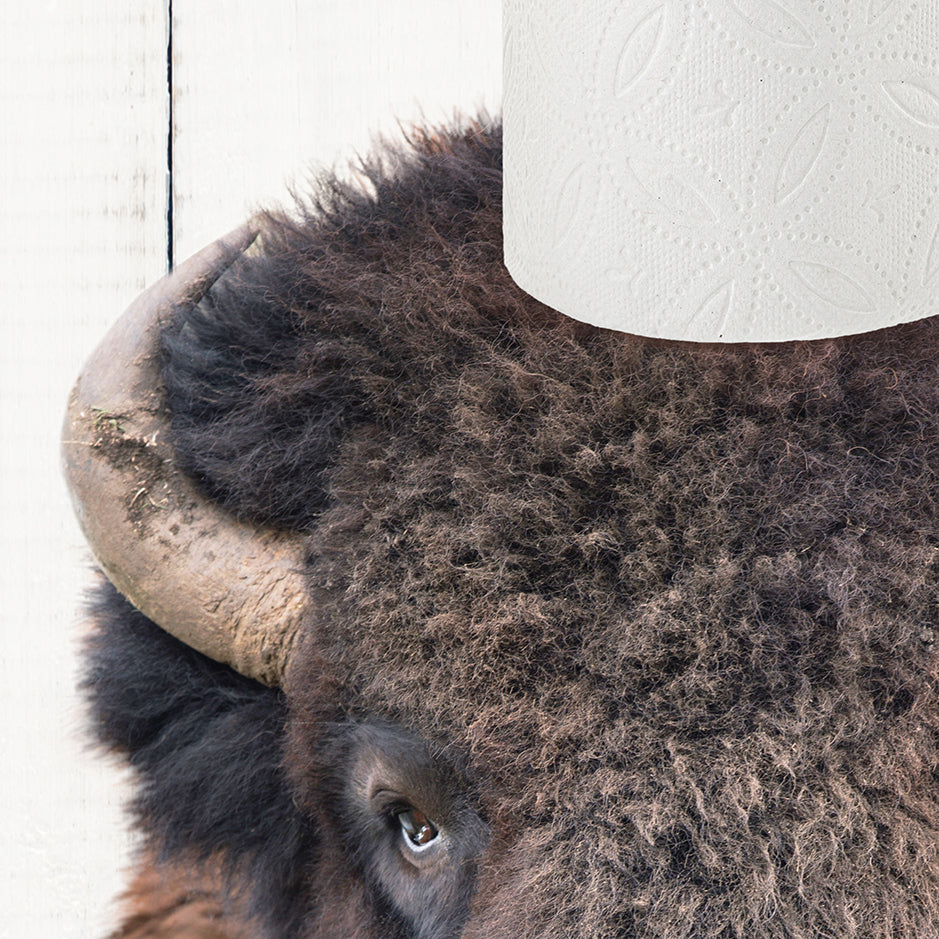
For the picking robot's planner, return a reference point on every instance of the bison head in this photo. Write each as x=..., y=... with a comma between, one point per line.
x=494, y=624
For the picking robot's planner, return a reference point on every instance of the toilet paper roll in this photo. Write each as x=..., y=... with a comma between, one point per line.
x=724, y=170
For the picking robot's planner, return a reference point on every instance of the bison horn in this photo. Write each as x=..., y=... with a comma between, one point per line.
x=233, y=591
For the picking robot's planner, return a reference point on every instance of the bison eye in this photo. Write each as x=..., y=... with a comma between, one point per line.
x=417, y=830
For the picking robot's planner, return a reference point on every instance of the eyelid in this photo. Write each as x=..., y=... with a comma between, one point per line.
x=390, y=803
x=388, y=800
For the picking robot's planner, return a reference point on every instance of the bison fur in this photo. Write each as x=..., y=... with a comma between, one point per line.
x=647, y=630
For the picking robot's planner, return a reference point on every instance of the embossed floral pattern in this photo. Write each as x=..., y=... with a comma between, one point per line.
x=736, y=170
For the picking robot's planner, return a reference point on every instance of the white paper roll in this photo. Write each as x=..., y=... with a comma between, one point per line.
x=724, y=170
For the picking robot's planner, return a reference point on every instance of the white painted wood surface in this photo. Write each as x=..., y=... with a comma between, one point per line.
x=263, y=92
x=291, y=87
x=82, y=194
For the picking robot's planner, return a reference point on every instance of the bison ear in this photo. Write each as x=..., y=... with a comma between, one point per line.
x=262, y=387
x=206, y=744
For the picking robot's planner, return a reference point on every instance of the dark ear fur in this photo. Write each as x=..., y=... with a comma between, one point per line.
x=207, y=744
x=246, y=413
x=344, y=312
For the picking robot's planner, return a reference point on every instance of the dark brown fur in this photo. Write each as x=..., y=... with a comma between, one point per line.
x=164, y=902
x=670, y=611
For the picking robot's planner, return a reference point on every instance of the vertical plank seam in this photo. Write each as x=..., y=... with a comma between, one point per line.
x=170, y=135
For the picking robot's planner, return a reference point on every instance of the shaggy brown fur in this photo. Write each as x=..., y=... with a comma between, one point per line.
x=169, y=903
x=670, y=610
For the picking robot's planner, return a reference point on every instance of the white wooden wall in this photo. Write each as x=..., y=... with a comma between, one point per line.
x=261, y=92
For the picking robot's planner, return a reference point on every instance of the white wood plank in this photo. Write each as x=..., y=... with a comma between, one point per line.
x=266, y=91
x=82, y=202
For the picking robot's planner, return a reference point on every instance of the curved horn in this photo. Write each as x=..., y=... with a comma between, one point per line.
x=233, y=591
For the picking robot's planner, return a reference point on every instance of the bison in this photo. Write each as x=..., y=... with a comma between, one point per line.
x=433, y=613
